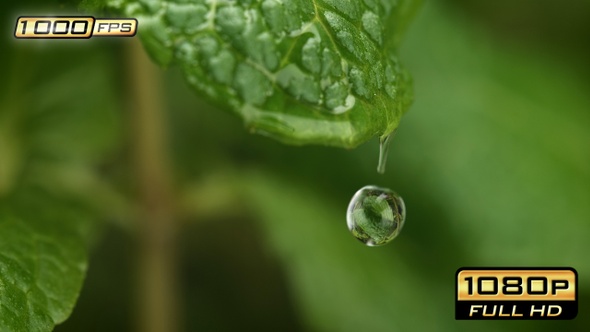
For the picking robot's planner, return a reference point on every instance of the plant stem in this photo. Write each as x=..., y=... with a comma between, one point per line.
x=157, y=295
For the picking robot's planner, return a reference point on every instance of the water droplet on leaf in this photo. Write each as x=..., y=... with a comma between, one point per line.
x=375, y=215
x=383, y=151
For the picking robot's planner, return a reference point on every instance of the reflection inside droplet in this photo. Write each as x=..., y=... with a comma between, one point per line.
x=375, y=215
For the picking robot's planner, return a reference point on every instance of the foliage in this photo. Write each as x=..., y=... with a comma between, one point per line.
x=492, y=163
x=42, y=260
x=305, y=71
x=52, y=134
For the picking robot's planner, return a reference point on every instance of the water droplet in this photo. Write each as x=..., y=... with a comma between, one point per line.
x=375, y=215
x=384, y=142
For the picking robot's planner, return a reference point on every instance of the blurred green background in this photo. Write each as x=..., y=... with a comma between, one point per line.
x=492, y=160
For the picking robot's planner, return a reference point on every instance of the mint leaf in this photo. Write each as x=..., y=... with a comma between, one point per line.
x=54, y=131
x=320, y=71
x=42, y=260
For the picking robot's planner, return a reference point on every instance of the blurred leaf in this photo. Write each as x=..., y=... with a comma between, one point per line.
x=56, y=124
x=70, y=121
x=504, y=145
x=55, y=130
x=92, y=5
x=11, y=155
x=321, y=72
x=42, y=260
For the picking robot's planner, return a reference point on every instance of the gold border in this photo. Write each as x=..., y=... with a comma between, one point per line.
x=568, y=294
x=111, y=30
x=25, y=27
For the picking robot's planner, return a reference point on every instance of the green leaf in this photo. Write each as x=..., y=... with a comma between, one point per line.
x=53, y=132
x=512, y=167
x=301, y=71
x=42, y=260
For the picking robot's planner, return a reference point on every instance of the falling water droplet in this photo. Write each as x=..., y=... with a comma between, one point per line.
x=383, y=150
x=375, y=215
